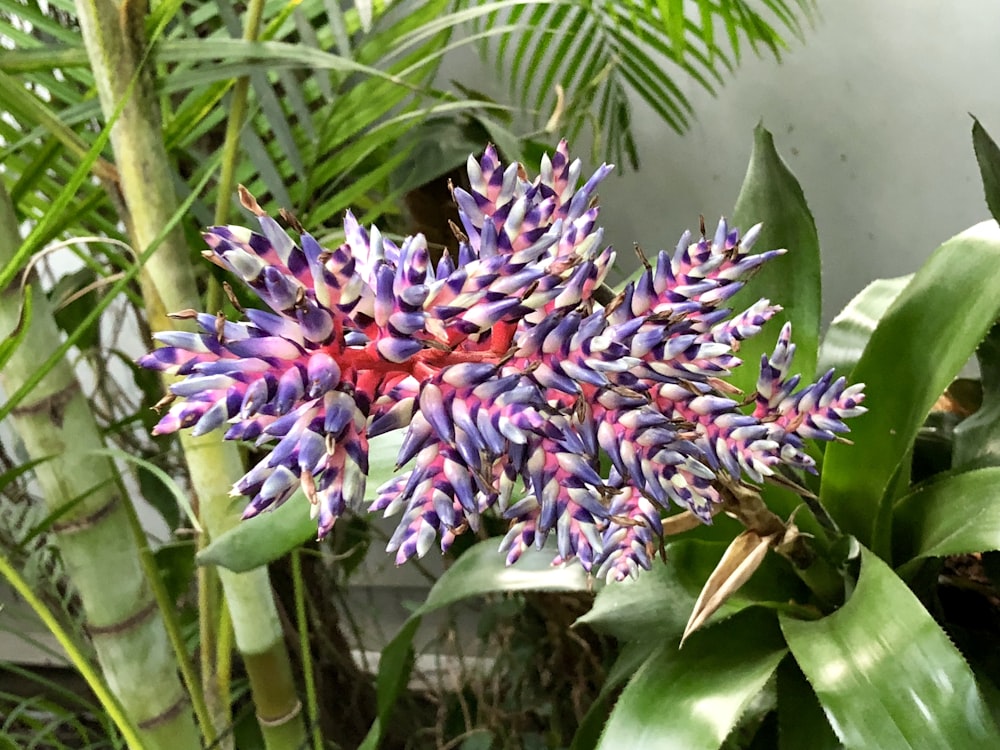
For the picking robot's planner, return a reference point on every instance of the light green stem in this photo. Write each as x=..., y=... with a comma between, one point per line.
x=302, y=625
x=208, y=599
x=95, y=536
x=114, y=35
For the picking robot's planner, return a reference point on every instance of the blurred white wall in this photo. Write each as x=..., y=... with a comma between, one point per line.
x=871, y=112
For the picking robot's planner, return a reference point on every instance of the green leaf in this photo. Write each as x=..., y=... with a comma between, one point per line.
x=13, y=473
x=659, y=602
x=771, y=195
x=175, y=561
x=673, y=18
x=951, y=515
x=632, y=656
x=481, y=570
x=925, y=337
x=614, y=57
x=988, y=156
x=801, y=722
x=440, y=144
x=849, y=331
x=886, y=674
x=70, y=191
x=690, y=699
x=72, y=296
x=264, y=538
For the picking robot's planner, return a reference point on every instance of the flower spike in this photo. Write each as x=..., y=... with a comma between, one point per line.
x=518, y=392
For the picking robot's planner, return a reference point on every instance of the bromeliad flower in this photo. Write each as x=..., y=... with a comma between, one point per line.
x=518, y=392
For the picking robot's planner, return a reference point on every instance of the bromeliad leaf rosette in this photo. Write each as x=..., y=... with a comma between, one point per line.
x=519, y=393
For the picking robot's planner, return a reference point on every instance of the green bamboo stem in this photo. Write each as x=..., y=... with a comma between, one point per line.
x=114, y=35
x=95, y=536
x=177, y=642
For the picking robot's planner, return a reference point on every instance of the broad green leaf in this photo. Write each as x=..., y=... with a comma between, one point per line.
x=988, y=156
x=801, y=721
x=925, y=337
x=632, y=656
x=659, y=603
x=886, y=674
x=264, y=538
x=690, y=699
x=481, y=570
x=771, y=195
x=951, y=515
x=849, y=331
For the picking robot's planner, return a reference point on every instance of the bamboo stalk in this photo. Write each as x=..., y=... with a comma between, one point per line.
x=114, y=35
x=95, y=537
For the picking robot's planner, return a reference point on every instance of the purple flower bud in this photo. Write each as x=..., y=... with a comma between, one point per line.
x=290, y=391
x=323, y=373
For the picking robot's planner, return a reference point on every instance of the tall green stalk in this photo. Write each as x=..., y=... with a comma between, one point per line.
x=95, y=535
x=114, y=35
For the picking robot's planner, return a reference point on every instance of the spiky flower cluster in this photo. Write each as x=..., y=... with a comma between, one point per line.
x=511, y=382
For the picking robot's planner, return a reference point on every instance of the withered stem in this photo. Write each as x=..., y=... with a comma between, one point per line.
x=746, y=505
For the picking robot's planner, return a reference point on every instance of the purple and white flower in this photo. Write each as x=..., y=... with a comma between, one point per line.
x=519, y=394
